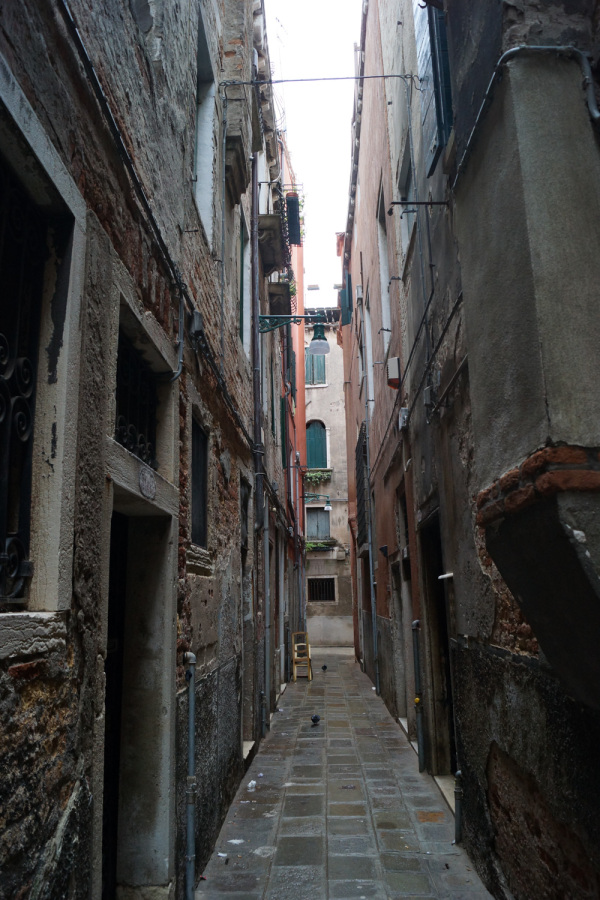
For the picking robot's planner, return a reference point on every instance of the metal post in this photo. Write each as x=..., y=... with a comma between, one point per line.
x=267, y=565
x=416, y=625
x=190, y=856
x=458, y=798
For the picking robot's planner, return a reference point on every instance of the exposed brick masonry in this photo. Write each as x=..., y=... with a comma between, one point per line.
x=546, y=472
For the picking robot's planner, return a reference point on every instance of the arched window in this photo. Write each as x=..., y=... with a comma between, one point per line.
x=316, y=446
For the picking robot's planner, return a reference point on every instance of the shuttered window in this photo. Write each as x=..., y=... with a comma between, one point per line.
x=315, y=368
x=317, y=525
x=434, y=77
x=316, y=446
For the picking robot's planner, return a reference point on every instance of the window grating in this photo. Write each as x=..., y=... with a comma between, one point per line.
x=321, y=590
x=22, y=258
x=200, y=486
x=136, y=403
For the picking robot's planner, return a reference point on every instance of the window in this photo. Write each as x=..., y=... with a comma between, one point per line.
x=321, y=590
x=384, y=273
x=315, y=368
x=199, y=485
x=316, y=446
x=244, y=503
x=205, y=139
x=317, y=525
x=22, y=259
x=273, y=416
x=434, y=74
x=135, y=425
x=346, y=299
x=406, y=189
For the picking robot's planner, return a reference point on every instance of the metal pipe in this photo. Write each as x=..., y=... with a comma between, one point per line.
x=267, y=566
x=416, y=625
x=458, y=803
x=223, y=189
x=370, y=541
x=190, y=856
x=258, y=448
x=565, y=50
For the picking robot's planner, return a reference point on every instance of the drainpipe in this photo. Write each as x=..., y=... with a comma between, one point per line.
x=267, y=564
x=223, y=187
x=416, y=625
x=258, y=447
x=370, y=540
x=190, y=857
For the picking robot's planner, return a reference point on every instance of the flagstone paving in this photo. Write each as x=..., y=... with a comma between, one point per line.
x=340, y=810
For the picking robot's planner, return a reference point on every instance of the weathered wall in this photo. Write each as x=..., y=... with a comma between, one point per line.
x=145, y=59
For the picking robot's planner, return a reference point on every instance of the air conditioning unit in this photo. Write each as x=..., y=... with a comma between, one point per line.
x=403, y=419
x=359, y=294
x=393, y=372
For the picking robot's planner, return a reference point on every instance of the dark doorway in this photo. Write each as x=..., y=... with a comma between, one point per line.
x=442, y=746
x=113, y=667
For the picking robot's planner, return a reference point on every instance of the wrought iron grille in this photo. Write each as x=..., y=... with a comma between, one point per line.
x=23, y=255
x=362, y=488
x=136, y=403
x=321, y=590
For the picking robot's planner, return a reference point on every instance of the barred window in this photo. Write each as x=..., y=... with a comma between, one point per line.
x=200, y=485
x=23, y=234
x=321, y=590
x=136, y=403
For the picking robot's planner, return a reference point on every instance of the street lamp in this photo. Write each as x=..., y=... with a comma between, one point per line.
x=318, y=346
x=309, y=497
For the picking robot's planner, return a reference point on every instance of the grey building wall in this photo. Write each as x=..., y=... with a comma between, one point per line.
x=491, y=469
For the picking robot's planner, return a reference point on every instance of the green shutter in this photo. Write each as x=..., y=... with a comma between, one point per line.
x=309, y=368
x=347, y=300
x=273, y=422
x=283, y=432
x=293, y=375
x=316, y=446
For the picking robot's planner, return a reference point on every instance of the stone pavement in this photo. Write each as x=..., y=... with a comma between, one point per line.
x=339, y=809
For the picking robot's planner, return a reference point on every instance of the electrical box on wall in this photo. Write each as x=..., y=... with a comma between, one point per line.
x=359, y=294
x=393, y=372
x=403, y=418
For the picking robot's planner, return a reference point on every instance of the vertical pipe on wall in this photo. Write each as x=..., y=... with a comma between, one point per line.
x=267, y=565
x=223, y=188
x=370, y=541
x=416, y=625
x=258, y=448
x=190, y=855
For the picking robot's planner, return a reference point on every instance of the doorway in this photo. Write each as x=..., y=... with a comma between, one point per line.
x=138, y=823
x=441, y=738
x=113, y=668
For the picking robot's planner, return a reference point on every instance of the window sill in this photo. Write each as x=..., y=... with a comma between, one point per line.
x=32, y=633
x=307, y=386
x=198, y=561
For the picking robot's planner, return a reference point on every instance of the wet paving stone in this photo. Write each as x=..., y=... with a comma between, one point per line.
x=340, y=810
x=337, y=825
x=408, y=884
x=299, y=851
x=295, y=807
x=346, y=809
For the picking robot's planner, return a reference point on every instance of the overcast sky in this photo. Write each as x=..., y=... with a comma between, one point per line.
x=312, y=39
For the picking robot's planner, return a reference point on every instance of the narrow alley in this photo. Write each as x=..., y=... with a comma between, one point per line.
x=339, y=809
